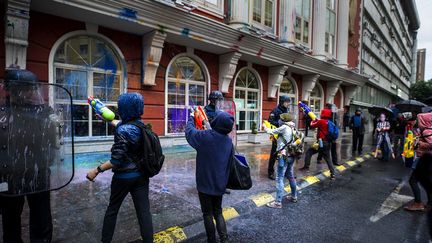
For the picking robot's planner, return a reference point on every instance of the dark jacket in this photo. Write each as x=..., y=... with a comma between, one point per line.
x=275, y=114
x=362, y=124
x=210, y=111
x=213, y=153
x=127, y=146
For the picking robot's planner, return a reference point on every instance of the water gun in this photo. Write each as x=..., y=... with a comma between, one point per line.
x=201, y=120
x=270, y=126
x=408, y=151
x=307, y=110
x=101, y=109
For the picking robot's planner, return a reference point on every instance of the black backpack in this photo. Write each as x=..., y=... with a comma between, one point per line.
x=152, y=158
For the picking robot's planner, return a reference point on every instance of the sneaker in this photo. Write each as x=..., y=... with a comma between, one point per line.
x=274, y=204
x=291, y=199
x=415, y=207
x=304, y=168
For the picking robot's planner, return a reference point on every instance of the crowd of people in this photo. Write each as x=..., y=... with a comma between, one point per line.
x=212, y=172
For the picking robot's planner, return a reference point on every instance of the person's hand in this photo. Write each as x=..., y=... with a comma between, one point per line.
x=91, y=175
x=191, y=112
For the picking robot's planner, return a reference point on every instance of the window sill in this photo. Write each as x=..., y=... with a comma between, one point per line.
x=216, y=12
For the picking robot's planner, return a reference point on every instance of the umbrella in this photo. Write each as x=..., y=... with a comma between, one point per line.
x=428, y=101
x=378, y=110
x=410, y=106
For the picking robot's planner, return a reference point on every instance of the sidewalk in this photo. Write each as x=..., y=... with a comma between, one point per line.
x=79, y=208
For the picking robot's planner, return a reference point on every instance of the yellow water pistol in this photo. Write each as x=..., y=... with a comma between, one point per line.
x=270, y=126
x=408, y=151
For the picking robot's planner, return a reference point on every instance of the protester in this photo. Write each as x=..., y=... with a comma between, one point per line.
x=212, y=108
x=422, y=169
x=127, y=177
x=307, y=121
x=25, y=161
x=346, y=118
x=398, y=135
x=333, y=144
x=214, y=148
x=357, y=125
x=286, y=159
x=323, y=142
x=274, y=117
x=383, y=138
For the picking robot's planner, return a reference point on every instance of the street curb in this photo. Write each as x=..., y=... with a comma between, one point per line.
x=179, y=234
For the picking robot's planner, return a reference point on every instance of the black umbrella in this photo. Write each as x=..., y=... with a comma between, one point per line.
x=428, y=101
x=410, y=106
x=378, y=110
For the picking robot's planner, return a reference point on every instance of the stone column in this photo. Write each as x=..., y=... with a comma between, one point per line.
x=239, y=13
x=287, y=22
x=342, y=33
x=318, y=31
x=16, y=33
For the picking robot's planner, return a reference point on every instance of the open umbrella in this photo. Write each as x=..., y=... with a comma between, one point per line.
x=428, y=101
x=410, y=106
x=378, y=110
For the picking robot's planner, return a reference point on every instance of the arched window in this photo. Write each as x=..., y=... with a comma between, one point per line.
x=88, y=66
x=186, y=86
x=247, y=99
x=287, y=88
x=316, y=99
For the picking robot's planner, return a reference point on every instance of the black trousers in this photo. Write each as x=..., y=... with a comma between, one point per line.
x=139, y=190
x=325, y=154
x=41, y=227
x=307, y=128
x=272, y=159
x=211, y=207
x=333, y=152
x=357, y=140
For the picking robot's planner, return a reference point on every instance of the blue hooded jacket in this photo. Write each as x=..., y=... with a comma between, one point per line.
x=213, y=153
x=127, y=137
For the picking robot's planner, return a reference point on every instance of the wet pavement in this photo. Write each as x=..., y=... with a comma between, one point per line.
x=363, y=205
x=79, y=208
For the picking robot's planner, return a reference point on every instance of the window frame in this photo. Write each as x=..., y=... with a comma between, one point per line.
x=302, y=25
x=261, y=25
x=321, y=99
x=206, y=84
x=332, y=10
x=259, y=101
x=121, y=72
x=214, y=9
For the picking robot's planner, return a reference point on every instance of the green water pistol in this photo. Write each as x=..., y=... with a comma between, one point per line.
x=101, y=109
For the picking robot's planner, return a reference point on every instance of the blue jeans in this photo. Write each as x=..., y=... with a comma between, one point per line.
x=286, y=164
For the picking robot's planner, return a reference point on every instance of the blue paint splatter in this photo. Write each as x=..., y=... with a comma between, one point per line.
x=185, y=32
x=128, y=13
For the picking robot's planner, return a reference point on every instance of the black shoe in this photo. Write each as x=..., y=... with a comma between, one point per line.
x=272, y=177
x=227, y=191
x=304, y=168
x=336, y=163
x=332, y=177
x=319, y=162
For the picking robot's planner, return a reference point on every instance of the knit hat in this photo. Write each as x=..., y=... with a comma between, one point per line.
x=286, y=117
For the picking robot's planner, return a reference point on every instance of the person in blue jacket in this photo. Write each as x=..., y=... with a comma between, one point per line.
x=212, y=169
x=127, y=178
x=211, y=109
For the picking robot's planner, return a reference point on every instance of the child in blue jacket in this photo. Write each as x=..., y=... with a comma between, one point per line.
x=212, y=169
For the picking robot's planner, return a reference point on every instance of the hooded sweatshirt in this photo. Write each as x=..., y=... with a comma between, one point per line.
x=425, y=126
x=322, y=124
x=127, y=137
x=213, y=153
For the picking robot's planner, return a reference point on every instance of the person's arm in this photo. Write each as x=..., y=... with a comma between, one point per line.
x=278, y=130
x=91, y=175
x=274, y=117
x=315, y=123
x=351, y=122
x=192, y=134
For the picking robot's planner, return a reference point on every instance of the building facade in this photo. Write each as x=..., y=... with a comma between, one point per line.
x=388, y=50
x=176, y=52
x=421, y=64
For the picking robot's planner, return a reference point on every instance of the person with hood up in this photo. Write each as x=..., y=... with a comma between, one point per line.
x=357, y=124
x=212, y=108
x=125, y=154
x=214, y=149
x=285, y=159
x=324, y=144
x=274, y=118
x=422, y=166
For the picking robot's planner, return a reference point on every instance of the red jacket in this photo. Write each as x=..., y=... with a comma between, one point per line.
x=322, y=125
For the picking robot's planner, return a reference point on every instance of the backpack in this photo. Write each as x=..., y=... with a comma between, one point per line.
x=152, y=158
x=297, y=149
x=333, y=131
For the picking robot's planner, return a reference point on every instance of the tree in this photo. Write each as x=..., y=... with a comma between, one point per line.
x=421, y=90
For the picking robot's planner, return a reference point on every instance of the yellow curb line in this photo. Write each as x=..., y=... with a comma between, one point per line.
x=311, y=179
x=351, y=163
x=340, y=168
x=173, y=234
x=262, y=199
x=229, y=213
